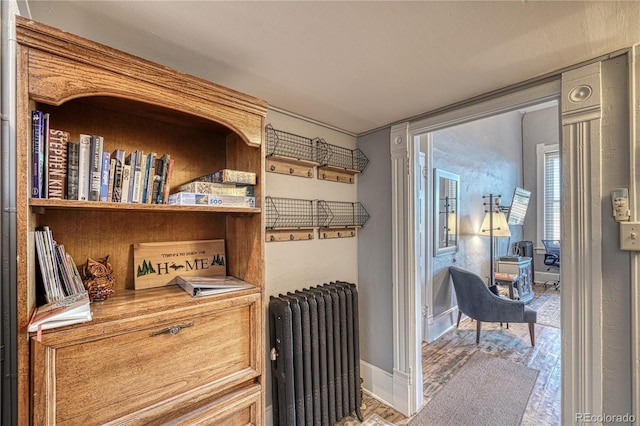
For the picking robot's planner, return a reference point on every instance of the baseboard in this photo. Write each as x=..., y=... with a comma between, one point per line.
x=401, y=384
x=542, y=277
x=268, y=416
x=377, y=382
x=438, y=325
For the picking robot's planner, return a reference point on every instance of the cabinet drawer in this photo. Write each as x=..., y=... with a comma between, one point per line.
x=239, y=408
x=144, y=373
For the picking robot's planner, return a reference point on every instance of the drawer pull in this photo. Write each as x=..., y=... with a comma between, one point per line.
x=174, y=329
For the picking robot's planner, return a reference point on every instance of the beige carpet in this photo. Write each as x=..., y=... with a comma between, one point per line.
x=487, y=390
x=549, y=312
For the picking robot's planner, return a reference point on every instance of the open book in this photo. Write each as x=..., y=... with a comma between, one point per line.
x=70, y=310
x=206, y=286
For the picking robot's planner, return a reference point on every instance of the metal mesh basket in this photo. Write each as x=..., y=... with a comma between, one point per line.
x=289, y=213
x=344, y=158
x=335, y=214
x=288, y=145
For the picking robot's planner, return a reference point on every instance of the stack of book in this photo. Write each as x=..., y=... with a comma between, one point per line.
x=224, y=188
x=66, y=299
x=83, y=170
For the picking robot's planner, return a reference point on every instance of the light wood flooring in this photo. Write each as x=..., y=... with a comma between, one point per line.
x=442, y=358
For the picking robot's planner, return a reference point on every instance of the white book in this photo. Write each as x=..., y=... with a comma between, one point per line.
x=126, y=182
x=206, y=286
x=70, y=310
x=84, y=163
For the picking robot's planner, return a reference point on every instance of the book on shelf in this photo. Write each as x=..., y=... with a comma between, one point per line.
x=131, y=161
x=84, y=164
x=112, y=170
x=58, y=273
x=162, y=173
x=148, y=178
x=45, y=159
x=56, y=180
x=229, y=176
x=104, y=178
x=216, y=188
x=136, y=174
x=95, y=167
x=37, y=136
x=118, y=155
x=207, y=286
x=73, y=152
x=72, y=309
x=167, y=184
x=126, y=183
x=197, y=199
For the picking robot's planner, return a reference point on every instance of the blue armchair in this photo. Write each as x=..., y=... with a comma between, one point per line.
x=479, y=303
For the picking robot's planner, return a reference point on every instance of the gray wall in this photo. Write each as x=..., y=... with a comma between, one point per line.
x=538, y=127
x=374, y=253
x=616, y=283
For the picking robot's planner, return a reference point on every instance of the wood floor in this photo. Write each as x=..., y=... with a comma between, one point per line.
x=442, y=358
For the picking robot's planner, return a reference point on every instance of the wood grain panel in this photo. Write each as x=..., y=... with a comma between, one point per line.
x=93, y=381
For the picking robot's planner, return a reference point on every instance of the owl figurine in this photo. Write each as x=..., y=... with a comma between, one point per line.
x=97, y=277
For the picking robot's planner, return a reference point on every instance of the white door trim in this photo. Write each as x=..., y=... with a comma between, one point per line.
x=634, y=199
x=581, y=270
x=407, y=330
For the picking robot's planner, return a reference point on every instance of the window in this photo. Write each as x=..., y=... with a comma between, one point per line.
x=548, y=194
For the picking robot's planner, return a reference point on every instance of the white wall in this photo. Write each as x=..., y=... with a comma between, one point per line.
x=292, y=265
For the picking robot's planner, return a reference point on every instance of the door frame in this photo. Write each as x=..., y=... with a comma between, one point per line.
x=405, y=140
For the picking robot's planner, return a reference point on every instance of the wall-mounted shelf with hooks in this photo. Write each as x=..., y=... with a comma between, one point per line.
x=291, y=154
x=288, y=219
x=338, y=219
x=341, y=164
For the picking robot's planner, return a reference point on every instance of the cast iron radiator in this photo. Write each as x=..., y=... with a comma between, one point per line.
x=315, y=355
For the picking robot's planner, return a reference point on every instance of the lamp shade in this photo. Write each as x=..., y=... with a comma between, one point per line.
x=500, y=227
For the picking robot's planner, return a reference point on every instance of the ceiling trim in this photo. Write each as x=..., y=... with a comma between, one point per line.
x=310, y=120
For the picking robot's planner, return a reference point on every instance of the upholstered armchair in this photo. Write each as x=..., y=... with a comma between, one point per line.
x=479, y=303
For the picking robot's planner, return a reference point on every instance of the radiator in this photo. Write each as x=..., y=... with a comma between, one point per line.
x=315, y=355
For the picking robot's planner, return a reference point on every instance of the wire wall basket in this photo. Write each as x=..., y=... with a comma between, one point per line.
x=289, y=213
x=345, y=158
x=288, y=145
x=336, y=214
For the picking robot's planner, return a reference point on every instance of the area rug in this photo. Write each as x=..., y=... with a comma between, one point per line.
x=375, y=420
x=549, y=313
x=487, y=390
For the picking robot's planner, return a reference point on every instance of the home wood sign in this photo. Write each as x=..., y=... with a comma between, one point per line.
x=158, y=264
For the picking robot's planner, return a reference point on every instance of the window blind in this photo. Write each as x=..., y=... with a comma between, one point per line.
x=552, y=195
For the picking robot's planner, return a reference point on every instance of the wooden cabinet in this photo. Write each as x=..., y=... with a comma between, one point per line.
x=524, y=283
x=120, y=367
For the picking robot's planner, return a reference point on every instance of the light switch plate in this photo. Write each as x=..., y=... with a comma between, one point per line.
x=630, y=236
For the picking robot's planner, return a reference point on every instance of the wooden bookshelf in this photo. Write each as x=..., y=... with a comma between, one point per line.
x=115, y=368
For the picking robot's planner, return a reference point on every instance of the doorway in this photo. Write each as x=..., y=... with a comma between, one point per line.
x=495, y=154
x=589, y=93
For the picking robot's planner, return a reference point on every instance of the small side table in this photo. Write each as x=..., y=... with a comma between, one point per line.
x=522, y=269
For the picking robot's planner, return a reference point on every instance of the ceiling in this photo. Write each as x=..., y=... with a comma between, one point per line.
x=354, y=65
